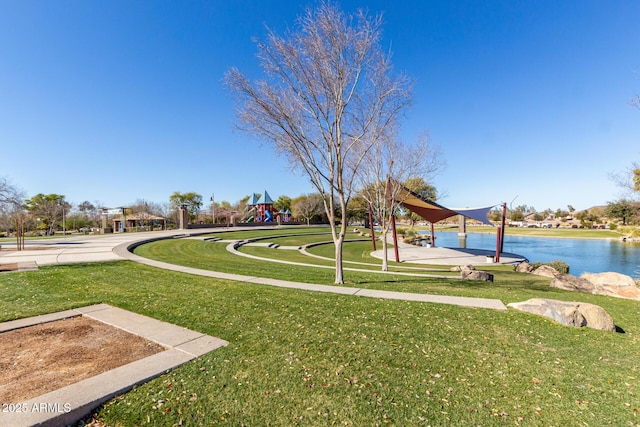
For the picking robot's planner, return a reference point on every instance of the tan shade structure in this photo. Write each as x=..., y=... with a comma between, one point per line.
x=141, y=216
x=433, y=212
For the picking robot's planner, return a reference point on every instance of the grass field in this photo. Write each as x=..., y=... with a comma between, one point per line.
x=303, y=358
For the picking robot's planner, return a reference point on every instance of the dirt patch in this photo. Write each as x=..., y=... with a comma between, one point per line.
x=18, y=266
x=42, y=358
x=9, y=267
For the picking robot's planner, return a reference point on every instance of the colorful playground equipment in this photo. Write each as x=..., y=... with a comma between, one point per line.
x=261, y=208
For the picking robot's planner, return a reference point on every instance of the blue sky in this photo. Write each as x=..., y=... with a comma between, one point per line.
x=116, y=101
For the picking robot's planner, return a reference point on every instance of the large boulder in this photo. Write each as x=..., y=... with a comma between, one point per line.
x=546, y=271
x=473, y=274
x=524, y=267
x=613, y=284
x=576, y=314
x=572, y=283
x=608, y=284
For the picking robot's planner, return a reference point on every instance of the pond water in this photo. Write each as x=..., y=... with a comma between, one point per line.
x=582, y=255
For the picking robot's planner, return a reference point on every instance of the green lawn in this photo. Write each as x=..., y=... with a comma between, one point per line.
x=214, y=256
x=304, y=358
x=508, y=286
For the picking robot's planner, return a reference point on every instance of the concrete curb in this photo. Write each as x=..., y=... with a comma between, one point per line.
x=124, y=251
x=69, y=404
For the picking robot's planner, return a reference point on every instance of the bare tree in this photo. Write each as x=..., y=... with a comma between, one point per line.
x=142, y=214
x=306, y=207
x=9, y=193
x=12, y=210
x=328, y=97
x=629, y=181
x=384, y=169
x=5, y=219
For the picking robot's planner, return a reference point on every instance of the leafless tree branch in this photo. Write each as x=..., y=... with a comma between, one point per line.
x=328, y=97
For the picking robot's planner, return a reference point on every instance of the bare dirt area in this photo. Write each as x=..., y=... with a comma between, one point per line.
x=42, y=358
x=9, y=267
x=15, y=266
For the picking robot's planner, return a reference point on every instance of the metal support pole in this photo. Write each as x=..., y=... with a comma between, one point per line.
x=395, y=238
x=433, y=236
x=504, y=215
x=462, y=231
x=373, y=233
x=498, y=233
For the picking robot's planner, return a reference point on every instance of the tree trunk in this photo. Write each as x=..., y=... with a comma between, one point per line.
x=339, y=271
x=18, y=234
x=385, y=253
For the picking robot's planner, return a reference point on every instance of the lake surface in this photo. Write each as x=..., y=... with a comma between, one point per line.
x=582, y=255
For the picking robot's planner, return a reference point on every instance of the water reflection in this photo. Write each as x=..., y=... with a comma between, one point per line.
x=582, y=255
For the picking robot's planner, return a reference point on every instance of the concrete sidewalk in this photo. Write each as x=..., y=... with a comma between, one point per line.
x=78, y=249
x=447, y=256
x=123, y=251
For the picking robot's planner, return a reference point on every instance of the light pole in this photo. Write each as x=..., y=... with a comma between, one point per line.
x=145, y=215
x=213, y=208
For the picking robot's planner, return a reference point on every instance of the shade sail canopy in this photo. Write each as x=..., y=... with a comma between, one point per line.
x=433, y=212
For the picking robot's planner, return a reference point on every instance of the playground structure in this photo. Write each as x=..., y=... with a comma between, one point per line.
x=260, y=209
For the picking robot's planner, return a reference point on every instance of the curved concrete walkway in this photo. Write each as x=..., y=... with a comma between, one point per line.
x=118, y=246
x=445, y=256
x=234, y=245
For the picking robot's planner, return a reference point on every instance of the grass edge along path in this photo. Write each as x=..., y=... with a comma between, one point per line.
x=123, y=250
x=214, y=256
x=233, y=248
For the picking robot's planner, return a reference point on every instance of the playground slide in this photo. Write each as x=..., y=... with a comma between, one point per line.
x=268, y=215
x=248, y=215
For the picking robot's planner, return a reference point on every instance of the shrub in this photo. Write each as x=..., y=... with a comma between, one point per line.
x=630, y=231
x=559, y=265
x=406, y=232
